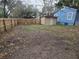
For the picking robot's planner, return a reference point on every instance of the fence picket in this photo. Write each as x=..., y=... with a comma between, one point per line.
x=12, y=22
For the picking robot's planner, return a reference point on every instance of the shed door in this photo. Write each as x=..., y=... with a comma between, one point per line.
x=70, y=16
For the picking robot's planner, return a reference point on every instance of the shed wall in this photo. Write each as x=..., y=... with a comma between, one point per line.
x=77, y=18
x=48, y=21
x=63, y=16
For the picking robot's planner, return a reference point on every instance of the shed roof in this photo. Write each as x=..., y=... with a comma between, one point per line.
x=64, y=9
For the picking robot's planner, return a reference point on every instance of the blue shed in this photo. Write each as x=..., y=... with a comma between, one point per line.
x=67, y=16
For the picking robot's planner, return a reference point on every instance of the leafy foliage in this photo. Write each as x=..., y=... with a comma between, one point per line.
x=15, y=8
x=1, y=12
x=70, y=3
x=7, y=5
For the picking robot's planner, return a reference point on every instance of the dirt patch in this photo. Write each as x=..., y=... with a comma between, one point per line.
x=40, y=43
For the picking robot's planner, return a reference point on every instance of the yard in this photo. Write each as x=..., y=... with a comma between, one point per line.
x=40, y=42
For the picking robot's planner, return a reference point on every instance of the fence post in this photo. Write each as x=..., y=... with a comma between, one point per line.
x=18, y=21
x=40, y=20
x=14, y=23
x=4, y=25
x=11, y=24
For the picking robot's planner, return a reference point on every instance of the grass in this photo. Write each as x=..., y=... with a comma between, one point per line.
x=64, y=32
x=48, y=27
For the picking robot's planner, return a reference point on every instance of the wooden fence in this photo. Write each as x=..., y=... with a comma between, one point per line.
x=8, y=23
x=31, y=21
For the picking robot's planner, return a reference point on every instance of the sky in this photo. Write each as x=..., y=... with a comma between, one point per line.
x=36, y=3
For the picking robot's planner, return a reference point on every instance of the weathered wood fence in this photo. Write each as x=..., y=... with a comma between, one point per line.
x=31, y=21
x=8, y=23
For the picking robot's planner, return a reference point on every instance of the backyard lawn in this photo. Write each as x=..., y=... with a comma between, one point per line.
x=40, y=42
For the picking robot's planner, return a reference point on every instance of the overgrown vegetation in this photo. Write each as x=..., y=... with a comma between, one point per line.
x=69, y=32
x=16, y=9
x=1, y=12
x=70, y=3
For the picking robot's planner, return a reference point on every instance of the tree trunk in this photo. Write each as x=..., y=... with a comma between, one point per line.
x=4, y=16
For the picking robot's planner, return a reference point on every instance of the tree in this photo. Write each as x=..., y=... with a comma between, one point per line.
x=18, y=10
x=1, y=12
x=70, y=3
x=15, y=8
x=49, y=6
x=30, y=11
x=8, y=6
